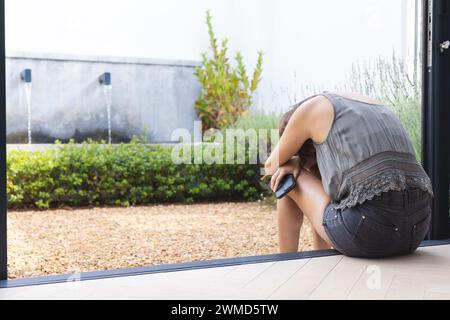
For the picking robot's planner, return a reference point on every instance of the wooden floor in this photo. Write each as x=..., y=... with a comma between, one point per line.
x=423, y=275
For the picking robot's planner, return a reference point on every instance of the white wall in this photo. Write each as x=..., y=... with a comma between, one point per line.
x=305, y=41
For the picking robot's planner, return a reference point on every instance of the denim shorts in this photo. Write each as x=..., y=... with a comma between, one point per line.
x=394, y=223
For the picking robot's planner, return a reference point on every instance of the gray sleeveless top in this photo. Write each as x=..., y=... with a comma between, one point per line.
x=367, y=152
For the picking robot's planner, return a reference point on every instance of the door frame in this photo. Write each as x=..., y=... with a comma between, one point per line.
x=3, y=197
x=435, y=110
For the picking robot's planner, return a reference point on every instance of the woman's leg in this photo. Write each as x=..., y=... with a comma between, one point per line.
x=290, y=220
x=319, y=243
x=312, y=200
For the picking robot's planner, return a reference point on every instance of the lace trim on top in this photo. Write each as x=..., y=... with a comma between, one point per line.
x=381, y=173
x=384, y=182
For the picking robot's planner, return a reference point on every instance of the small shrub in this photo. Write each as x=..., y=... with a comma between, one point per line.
x=226, y=90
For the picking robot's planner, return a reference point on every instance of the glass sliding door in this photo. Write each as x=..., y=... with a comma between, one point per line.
x=98, y=91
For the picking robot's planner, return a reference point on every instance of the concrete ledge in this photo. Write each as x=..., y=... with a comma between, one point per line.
x=102, y=59
x=43, y=147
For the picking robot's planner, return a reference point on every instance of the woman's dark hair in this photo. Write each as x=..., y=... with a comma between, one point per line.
x=307, y=150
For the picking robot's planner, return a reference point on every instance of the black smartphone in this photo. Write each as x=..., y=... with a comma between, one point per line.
x=287, y=184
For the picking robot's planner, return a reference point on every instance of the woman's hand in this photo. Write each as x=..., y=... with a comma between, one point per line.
x=268, y=170
x=291, y=167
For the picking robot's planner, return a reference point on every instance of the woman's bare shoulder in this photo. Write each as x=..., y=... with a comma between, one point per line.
x=315, y=104
x=318, y=106
x=359, y=97
x=318, y=117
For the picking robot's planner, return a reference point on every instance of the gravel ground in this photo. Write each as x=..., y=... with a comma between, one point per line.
x=66, y=241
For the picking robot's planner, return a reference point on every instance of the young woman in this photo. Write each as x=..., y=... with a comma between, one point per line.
x=358, y=181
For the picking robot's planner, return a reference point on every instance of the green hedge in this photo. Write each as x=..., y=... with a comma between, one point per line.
x=94, y=174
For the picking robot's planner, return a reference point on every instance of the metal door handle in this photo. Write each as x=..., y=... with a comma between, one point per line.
x=444, y=45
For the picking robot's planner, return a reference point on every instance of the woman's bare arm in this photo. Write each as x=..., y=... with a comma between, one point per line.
x=312, y=120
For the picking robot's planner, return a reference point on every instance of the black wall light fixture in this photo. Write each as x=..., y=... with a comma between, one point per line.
x=105, y=79
x=26, y=76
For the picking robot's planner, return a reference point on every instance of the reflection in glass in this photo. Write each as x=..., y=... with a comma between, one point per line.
x=107, y=195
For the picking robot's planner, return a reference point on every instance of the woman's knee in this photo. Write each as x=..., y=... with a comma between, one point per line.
x=287, y=204
x=309, y=187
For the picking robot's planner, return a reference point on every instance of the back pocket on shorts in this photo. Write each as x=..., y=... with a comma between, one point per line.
x=376, y=239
